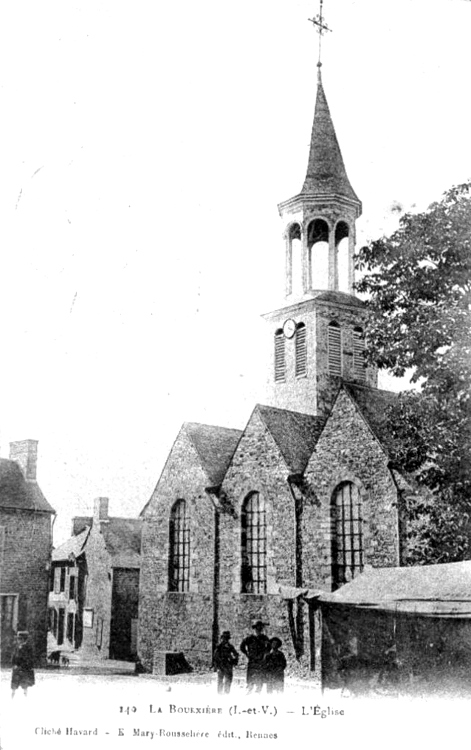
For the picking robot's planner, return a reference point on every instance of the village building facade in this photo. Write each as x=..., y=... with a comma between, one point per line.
x=94, y=587
x=242, y=523
x=25, y=550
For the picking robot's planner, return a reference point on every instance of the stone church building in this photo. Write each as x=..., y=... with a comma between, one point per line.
x=242, y=524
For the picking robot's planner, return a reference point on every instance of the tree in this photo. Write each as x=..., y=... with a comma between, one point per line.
x=418, y=287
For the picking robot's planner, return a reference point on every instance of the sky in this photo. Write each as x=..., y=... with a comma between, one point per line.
x=145, y=147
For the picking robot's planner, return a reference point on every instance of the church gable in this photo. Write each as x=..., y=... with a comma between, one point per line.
x=350, y=461
x=183, y=475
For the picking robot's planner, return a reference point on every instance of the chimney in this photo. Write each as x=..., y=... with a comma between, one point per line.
x=25, y=453
x=100, y=509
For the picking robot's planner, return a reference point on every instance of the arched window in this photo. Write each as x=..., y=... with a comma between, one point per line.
x=179, y=548
x=318, y=247
x=300, y=350
x=279, y=356
x=334, y=349
x=254, y=545
x=359, y=369
x=343, y=259
x=347, y=534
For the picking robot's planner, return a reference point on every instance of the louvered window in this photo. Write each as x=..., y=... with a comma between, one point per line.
x=279, y=356
x=254, y=545
x=300, y=350
x=359, y=370
x=347, y=534
x=334, y=349
x=179, y=549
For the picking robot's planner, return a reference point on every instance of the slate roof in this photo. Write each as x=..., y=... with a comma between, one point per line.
x=326, y=171
x=122, y=537
x=295, y=434
x=215, y=447
x=335, y=296
x=441, y=590
x=73, y=546
x=373, y=404
x=17, y=493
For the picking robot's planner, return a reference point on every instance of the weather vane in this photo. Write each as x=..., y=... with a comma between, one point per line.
x=321, y=28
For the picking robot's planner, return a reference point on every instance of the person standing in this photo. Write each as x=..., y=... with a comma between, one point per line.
x=225, y=658
x=255, y=647
x=275, y=665
x=23, y=664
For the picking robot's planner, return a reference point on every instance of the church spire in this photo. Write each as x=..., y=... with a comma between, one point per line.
x=326, y=174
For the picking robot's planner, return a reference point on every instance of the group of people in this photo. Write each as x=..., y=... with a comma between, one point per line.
x=266, y=662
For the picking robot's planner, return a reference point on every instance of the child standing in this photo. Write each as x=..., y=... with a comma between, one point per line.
x=275, y=665
x=225, y=658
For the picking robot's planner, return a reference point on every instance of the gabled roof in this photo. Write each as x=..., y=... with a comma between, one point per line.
x=215, y=447
x=373, y=404
x=294, y=433
x=73, y=546
x=326, y=173
x=423, y=589
x=122, y=537
x=17, y=493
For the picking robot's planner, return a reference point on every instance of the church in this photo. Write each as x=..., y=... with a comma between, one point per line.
x=243, y=525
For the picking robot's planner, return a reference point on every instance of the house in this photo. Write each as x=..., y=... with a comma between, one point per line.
x=94, y=585
x=25, y=549
x=416, y=620
x=305, y=496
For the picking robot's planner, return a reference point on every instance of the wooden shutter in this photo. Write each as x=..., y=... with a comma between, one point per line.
x=334, y=349
x=301, y=350
x=279, y=356
x=359, y=370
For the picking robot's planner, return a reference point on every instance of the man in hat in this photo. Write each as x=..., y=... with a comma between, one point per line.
x=225, y=658
x=23, y=664
x=255, y=647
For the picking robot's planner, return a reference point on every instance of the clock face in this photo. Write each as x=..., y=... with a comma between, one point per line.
x=289, y=328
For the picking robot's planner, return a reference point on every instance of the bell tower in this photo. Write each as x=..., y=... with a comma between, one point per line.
x=318, y=335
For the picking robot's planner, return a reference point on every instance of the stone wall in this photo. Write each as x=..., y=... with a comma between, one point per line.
x=25, y=572
x=178, y=621
x=347, y=451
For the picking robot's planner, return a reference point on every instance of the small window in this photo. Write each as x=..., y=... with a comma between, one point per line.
x=347, y=534
x=279, y=356
x=300, y=350
x=179, y=548
x=72, y=587
x=254, y=545
x=62, y=579
x=359, y=367
x=57, y=580
x=334, y=349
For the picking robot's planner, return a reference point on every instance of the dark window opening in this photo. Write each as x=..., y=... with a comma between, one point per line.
x=62, y=580
x=179, y=553
x=72, y=587
x=254, y=545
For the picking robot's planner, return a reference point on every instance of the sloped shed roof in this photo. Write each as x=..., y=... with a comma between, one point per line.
x=16, y=493
x=295, y=434
x=215, y=447
x=423, y=589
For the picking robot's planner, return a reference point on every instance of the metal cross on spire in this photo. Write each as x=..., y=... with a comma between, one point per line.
x=318, y=21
